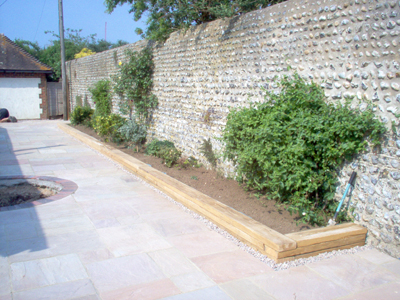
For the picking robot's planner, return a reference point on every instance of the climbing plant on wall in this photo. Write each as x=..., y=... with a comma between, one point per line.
x=134, y=82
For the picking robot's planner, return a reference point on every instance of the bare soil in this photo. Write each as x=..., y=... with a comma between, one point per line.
x=23, y=192
x=227, y=191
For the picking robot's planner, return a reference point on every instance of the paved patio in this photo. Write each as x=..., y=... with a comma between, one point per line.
x=115, y=238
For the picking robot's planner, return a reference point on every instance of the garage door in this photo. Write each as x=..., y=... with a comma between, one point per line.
x=21, y=97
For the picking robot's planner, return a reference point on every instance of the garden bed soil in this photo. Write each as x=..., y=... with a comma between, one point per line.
x=227, y=191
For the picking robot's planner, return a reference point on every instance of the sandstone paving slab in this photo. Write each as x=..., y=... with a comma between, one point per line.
x=51, y=161
x=49, y=150
x=112, y=181
x=48, y=271
x=12, y=161
x=52, y=168
x=214, y=293
x=73, y=172
x=227, y=266
x=177, y=226
x=27, y=145
x=6, y=297
x=15, y=170
x=105, y=223
x=173, y=262
x=64, y=224
x=72, y=167
x=2, y=232
x=162, y=215
x=376, y=257
x=121, y=272
x=198, y=244
x=77, y=149
x=88, y=297
x=20, y=230
x=78, y=289
x=43, y=247
x=97, y=255
x=353, y=273
x=393, y=266
x=105, y=209
x=65, y=207
x=5, y=282
x=132, y=239
x=299, y=283
x=15, y=216
x=152, y=204
x=145, y=291
x=389, y=291
x=94, y=193
x=130, y=220
x=245, y=289
x=192, y=281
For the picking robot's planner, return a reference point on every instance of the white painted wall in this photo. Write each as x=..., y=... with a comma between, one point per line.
x=21, y=97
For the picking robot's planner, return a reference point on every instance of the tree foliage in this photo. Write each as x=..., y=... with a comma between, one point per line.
x=74, y=43
x=167, y=16
x=84, y=52
x=291, y=146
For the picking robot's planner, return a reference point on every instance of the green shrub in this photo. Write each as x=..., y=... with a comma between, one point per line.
x=108, y=126
x=101, y=94
x=165, y=150
x=81, y=115
x=292, y=146
x=133, y=133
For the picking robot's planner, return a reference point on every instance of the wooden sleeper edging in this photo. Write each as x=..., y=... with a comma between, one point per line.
x=277, y=246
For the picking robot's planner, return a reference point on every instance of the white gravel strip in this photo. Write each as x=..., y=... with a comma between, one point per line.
x=271, y=263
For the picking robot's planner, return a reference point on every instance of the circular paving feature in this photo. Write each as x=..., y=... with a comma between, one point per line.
x=28, y=191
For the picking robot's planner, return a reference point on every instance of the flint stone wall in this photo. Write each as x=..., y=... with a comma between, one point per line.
x=350, y=47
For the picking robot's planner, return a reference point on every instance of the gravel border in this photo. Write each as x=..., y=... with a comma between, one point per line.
x=271, y=263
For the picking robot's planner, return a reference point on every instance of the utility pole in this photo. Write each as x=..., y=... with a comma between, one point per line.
x=63, y=73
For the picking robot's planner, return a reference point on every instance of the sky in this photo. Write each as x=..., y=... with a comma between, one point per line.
x=29, y=19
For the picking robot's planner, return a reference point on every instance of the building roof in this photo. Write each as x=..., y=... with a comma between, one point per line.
x=15, y=59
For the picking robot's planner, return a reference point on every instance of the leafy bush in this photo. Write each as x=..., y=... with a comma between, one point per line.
x=81, y=115
x=133, y=133
x=165, y=150
x=108, y=126
x=291, y=146
x=101, y=93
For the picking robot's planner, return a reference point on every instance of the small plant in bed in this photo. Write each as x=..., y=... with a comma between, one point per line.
x=165, y=150
x=188, y=162
x=133, y=133
x=291, y=146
